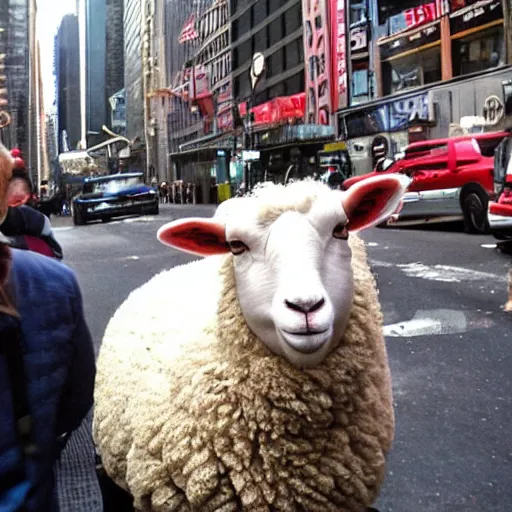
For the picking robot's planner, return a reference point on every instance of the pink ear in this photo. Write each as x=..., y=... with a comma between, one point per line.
x=373, y=200
x=201, y=237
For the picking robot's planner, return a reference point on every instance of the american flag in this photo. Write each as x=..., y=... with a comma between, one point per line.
x=188, y=33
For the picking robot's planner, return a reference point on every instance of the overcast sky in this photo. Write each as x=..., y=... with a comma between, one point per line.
x=49, y=15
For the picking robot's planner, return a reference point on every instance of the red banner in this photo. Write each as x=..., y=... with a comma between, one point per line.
x=318, y=63
x=339, y=55
x=420, y=15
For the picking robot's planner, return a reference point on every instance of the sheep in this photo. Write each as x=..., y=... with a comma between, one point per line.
x=256, y=378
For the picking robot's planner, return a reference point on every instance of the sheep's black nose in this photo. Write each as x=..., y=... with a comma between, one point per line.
x=305, y=306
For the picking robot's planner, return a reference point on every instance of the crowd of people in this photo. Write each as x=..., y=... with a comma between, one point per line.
x=47, y=362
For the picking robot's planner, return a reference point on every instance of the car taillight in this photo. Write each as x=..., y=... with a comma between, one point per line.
x=332, y=169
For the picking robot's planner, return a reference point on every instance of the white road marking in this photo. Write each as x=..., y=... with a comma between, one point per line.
x=139, y=219
x=427, y=323
x=489, y=246
x=62, y=228
x=442, y=273
x=372, y=244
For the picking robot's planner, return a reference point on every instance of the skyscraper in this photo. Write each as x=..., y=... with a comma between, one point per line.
x=67, y=72
x=15, y=45
x=96, y=98
x=104, y=62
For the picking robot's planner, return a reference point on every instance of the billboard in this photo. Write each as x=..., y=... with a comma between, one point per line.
x=318, y=63
x=339, y=54
x=325, y=53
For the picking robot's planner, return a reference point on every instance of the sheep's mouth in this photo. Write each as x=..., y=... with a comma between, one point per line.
x=306, y=342
x=304, y=333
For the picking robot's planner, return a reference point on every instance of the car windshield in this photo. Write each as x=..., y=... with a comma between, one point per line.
x=114, y=185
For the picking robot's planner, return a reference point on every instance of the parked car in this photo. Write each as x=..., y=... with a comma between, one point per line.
x=500, y=209
x=114, y=195
x=452, y=180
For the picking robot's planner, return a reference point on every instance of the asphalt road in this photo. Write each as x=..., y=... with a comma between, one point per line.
x=448, y=339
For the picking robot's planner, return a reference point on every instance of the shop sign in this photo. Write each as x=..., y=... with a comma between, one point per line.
x=358, y=40
x=405, y=111
x=250, y=156
x=475, y=16
x=420, y=15
x=319, y=58
x=410, y=41
x=339, y=54
x=493, y=111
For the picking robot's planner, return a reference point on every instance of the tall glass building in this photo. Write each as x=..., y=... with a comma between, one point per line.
x=14, y=44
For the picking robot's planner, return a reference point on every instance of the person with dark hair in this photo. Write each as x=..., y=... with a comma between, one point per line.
x=25, y=227
x=47, y=369
x=20, y=189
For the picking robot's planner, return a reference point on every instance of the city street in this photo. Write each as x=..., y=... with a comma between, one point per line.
x=449, y=344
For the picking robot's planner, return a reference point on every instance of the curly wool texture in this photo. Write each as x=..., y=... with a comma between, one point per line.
x=194, y=413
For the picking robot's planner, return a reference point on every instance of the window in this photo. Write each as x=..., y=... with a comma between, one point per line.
x=244, y=53
x=360, y=83
x=244, y=23
x=275, y=63
x=274, y=5
x=261, y=40
x=294, y=84
x=276, y=31
x=478, y=52
x=235, y=31
x=276, y=91
x=294, y=53
x=412, y=71
x=292, y=20
x=357, y=11
x=366, y=123
x=259, y=13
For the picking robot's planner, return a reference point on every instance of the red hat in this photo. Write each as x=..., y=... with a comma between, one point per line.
x=16, y=153
x=19, y=163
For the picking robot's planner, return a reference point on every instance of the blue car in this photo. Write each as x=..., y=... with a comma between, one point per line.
x=111, y=196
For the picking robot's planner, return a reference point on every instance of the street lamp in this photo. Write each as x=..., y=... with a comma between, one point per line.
x=256, y=72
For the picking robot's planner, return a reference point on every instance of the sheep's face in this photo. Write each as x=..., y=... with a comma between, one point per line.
x=292, y=260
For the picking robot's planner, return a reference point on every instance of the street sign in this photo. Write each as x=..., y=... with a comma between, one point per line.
x=250, y=156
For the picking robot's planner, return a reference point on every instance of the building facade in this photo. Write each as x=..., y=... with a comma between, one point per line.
x=114, y=47
x=133, y=75
x=18, y=116
x=67, y=73
x=95, y=69
x=215, y=112
x=423, y=70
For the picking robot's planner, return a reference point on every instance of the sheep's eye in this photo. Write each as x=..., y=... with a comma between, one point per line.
x=237, y=247
x=340, y=231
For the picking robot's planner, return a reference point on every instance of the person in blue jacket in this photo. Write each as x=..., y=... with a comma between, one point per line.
x=47, y=370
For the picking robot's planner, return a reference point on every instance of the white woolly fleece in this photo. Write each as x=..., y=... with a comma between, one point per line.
x=194, y=413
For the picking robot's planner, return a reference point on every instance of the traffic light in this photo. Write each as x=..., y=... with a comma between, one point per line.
x=3, y=82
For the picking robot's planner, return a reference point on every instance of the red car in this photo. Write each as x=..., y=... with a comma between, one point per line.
x=500, y=210
x=452, y=180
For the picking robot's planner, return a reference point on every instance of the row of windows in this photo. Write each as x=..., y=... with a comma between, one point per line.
x=213, y=19
x=281, y=60
x=259, y=8
x=293, y=85
x=217, y=45
x=282, y=26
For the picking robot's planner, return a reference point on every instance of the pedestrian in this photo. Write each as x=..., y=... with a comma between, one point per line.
x=47, y=369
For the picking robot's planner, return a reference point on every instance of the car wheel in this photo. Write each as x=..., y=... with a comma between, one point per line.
x=475, y=213
x=155, y=210
x=78, y=216
x=105, y=220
